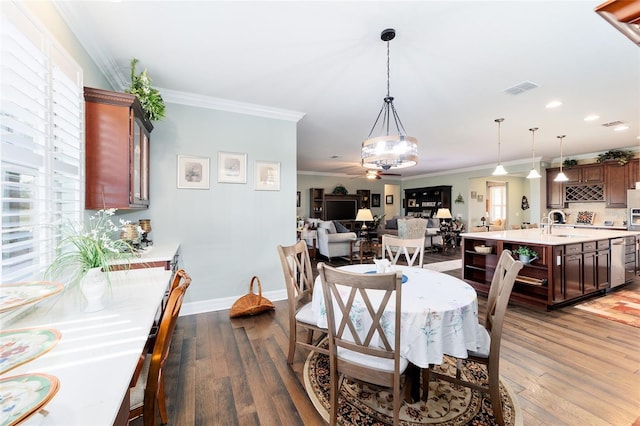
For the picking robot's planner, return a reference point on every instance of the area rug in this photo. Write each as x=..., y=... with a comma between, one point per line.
x=447, y=404
x=449, y=265
x=621, y=306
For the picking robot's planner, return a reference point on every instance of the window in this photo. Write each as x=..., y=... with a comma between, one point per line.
x=41, y=131
x=497, y=200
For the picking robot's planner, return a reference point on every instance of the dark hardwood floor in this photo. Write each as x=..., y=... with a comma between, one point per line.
x=567, y=367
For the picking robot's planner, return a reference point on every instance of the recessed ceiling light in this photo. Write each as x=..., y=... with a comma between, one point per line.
x=553, y=104
x=591, y=117
x=621, y=128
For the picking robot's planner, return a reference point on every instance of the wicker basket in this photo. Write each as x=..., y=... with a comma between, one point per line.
x=251, y=303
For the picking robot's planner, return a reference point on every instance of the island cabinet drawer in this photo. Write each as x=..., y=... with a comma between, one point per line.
x=630, y=258
x=572, y=249
x=590, y=246
x=603, y=244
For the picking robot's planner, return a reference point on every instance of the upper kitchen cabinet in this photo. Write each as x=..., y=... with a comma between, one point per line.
x=117, y=151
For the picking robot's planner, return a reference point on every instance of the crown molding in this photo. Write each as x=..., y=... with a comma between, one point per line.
x=202, y=101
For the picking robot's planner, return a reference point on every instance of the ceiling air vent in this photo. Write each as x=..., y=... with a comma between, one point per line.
x=521, y=87
x=613, y=123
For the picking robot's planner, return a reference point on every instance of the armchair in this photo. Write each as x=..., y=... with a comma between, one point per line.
x=334, y=244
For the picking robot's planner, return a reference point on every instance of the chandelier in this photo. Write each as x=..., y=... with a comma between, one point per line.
x=389, y=151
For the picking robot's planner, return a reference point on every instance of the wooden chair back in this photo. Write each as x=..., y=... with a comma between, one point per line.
x=358, y=328
x=154, y=399
x=412, y=249
x=298, y=277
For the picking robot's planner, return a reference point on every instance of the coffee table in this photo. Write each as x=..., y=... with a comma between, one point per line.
x=364, y=249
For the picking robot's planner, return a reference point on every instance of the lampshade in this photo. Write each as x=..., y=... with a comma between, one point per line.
x=533, y=174
x=364, y=215
x=499, y=171
x=561, y=177
x=388, y=151
x=443, y=214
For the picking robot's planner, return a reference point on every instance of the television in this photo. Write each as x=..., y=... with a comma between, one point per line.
x=341, y=209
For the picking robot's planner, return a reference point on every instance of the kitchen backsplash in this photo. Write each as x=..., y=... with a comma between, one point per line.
x=602, y=213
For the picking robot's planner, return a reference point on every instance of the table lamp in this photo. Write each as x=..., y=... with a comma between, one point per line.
x=444, y=214
x=364, y=216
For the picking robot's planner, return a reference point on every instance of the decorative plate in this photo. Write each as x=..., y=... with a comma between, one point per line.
x=24, y=395
x=404, y=277
x=13, y=296
x=585, y=217
x=18, y=347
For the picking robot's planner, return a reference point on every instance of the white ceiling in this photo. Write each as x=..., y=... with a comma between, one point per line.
x=450, y=64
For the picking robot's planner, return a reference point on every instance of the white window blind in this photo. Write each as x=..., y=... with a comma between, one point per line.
x=41, y=154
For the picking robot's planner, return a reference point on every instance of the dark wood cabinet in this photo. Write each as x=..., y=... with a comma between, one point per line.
x=615, y=184
x=316, y=202
x=117, y=151
x=633, y=173
x=587, y=174
x=425, y=202
x=555, y=190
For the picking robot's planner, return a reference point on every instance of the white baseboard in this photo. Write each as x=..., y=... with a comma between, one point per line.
x=213, y=305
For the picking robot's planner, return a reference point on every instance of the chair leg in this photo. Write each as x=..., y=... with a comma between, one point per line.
x=292, y=343
x=426, y=375
x=162, y=403
x=494, y=394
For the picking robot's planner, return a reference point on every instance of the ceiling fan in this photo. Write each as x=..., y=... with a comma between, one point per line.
x=377, y=174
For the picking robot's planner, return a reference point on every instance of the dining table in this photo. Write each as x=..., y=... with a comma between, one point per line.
x=89, y=357
x=439, y=314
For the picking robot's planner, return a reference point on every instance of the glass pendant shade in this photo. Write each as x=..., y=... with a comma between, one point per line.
x=389, y=151
x=533, y=174
x=500, y=170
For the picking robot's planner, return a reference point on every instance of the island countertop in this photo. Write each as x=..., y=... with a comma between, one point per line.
x=558, y=236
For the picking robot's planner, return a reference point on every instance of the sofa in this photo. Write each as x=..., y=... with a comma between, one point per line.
x=333, y=239
x=391, y=227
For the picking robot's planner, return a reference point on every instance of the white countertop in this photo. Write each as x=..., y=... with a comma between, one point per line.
x=163, y=252
x=97, y=352
x=559, y=235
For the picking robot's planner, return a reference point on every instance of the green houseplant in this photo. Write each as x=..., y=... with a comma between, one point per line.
x=150, y=98
x=85, y=253
x=623, y=157
x=526, y=254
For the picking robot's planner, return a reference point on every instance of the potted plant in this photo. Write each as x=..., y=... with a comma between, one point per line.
x=150, y=98
x=85, y=253
x=340, y=190
x=525, y=254
x=623, y=157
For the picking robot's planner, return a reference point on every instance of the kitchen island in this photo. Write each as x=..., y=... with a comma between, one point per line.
x=572, y=264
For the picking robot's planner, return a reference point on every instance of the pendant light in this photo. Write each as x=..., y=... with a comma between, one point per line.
x=533, y=174
x=499, y=171
x=561, y=176
x=389, y=151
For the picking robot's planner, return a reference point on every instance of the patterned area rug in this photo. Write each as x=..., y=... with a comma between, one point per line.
x=447, y=404
x=444, y=266
x=621, y=306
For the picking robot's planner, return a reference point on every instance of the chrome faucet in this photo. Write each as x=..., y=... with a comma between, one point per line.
x=550, y=220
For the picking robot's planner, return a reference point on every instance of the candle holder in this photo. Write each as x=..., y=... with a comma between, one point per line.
x=145, y=225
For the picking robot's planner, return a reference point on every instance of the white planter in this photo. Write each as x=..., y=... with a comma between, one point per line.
x=93, y=287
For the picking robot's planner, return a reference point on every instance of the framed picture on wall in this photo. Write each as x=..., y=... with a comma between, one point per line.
x=193, y=172
x=480, y=197
x=388, y=199
x=474, y=194
x=232, y=167
x=412, y=202
x=266, y=176
x=375, y=200
x=298, y=199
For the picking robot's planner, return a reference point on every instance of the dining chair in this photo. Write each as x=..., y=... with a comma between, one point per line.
x=488, y=336
x=411, y=248
x=179, y=278
x=364, y=332
x=147, y=385
x=298, y=278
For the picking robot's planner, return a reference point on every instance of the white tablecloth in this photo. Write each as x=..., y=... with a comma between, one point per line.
x=439, y=314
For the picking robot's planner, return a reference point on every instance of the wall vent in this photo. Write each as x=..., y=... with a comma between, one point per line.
x=521, y=87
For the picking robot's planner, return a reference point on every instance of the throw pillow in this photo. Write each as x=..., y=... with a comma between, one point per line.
x=328, y=225
x=391, y=224
x=340, y=228
x=433, y=223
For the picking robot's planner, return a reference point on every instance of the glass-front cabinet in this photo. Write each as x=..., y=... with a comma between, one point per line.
x=118, y=137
